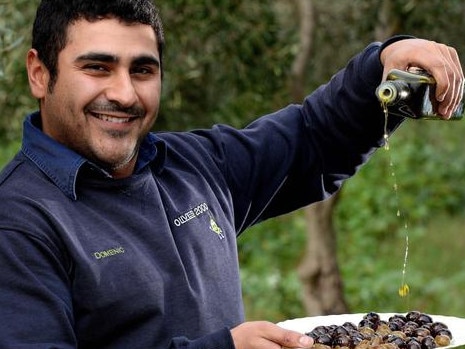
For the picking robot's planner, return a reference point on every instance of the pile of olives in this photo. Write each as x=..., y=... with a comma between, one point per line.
x=414, y=330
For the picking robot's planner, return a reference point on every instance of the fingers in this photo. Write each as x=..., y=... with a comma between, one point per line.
x=450, y=92
x=440, y=60
x=266, y=335
x=449, y=78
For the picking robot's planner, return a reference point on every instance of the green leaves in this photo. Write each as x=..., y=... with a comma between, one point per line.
x=429, y=165
x=15, y=27
x=223, y=62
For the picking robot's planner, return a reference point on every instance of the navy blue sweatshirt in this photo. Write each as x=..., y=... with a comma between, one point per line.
x=150, y=261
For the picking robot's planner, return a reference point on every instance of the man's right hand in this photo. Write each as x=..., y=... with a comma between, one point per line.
x=266, y=335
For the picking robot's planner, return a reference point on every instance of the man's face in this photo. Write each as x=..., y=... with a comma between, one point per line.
x=107, y=92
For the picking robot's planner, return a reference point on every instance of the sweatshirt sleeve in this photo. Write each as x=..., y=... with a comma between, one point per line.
x=303, y=153
x=333, y=133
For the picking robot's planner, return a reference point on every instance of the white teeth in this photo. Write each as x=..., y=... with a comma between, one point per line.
x=112, y=118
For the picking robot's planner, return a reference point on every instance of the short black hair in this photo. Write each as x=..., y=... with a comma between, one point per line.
x=53, y=17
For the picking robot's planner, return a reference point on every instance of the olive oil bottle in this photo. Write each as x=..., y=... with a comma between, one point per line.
x=411, y=94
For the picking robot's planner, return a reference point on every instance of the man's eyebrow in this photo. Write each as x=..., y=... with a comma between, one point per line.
x=108, y=58
x=96, y=56
x=146, y=60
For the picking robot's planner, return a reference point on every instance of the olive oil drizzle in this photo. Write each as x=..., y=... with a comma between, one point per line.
x=404, y=288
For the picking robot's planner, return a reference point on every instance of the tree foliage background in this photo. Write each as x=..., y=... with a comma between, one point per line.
x=229, y=61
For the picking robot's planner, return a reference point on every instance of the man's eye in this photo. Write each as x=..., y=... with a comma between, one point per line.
x=95, y=67
x=142, y=70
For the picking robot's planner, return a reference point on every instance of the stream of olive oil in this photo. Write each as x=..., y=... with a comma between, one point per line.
x=404, y=288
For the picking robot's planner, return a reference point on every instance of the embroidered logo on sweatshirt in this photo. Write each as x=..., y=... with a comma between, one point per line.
x=190, y=214
x=215, y=228
x=196, y=212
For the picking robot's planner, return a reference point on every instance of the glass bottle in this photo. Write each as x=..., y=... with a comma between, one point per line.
x=411, y=94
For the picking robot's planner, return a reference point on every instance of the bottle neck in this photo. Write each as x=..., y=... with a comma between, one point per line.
x=393, y=91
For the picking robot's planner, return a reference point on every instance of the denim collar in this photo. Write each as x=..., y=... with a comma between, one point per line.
x=63, y=165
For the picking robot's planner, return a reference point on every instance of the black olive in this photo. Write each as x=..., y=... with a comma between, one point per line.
x=320, y=330
x=396, y=325
x=398, y=317
x=421, y=332
x=367, y=323
x=324, y=339
x=349, y=326
x=356, y=338
x=342, y=341
x=413, y=343
x=331, y=328
x=396, y=340
x=428, y=326
x=443, y=332
x=413, y=315
x=312, y=334
x=424, y=319
x=428, y=343
x=412, y=324
x=437, y=327
x=373, y=317
x=410, y=328
x=340, y=330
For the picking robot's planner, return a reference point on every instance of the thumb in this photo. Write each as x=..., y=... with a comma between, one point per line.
x=292, y=339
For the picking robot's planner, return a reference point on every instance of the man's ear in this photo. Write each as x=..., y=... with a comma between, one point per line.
x=37, y=73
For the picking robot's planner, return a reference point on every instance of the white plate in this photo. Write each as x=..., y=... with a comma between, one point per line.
x=456, y=325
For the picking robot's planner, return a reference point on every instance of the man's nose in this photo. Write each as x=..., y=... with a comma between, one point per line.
x=121, y=90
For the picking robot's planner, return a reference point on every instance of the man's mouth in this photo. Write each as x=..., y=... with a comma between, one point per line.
x=114, y=119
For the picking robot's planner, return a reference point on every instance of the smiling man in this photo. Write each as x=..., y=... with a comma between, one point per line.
x=112, y=236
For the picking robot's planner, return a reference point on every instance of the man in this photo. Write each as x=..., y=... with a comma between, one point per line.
x=114, y=237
